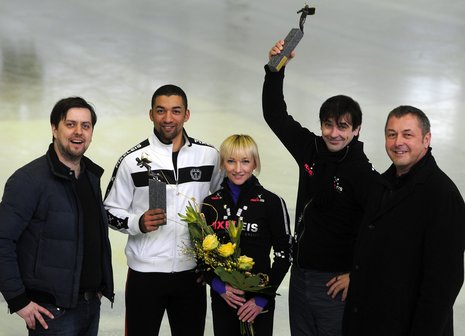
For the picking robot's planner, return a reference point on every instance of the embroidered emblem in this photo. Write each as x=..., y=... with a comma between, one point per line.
x=309, y=169
x=336, y=185
x=196, y=174
x=257, y=199
x=216, y=197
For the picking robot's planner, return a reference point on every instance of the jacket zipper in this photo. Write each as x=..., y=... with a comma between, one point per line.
x=298, y=236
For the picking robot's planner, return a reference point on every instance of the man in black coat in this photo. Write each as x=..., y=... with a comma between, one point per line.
x=55, y=255
x=408, y=267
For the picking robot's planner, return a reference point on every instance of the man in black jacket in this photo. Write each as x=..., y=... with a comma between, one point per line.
x=408, y=265
x=334, y=179
x=55, y=257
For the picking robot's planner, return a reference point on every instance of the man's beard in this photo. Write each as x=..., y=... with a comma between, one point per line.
x=68, y=155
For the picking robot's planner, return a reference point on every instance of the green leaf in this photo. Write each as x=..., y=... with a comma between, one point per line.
x=198, y=230
x=252, y=281
x=226, y=276
x=240, y=279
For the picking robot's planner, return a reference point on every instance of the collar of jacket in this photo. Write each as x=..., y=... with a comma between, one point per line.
x=352, y=150
x=59, y=169
x=187, y=140
x=404, y=185
x=251, y=182
x=417, y=173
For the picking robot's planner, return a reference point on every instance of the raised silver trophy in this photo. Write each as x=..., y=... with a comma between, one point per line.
x=291, y=41
x=157, y=188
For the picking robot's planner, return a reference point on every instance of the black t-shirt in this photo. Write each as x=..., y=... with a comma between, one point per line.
x=91, y=274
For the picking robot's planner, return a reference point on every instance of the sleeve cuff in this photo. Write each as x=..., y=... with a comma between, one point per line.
x=18, y=303
x=261, y=301
x=279, y=73
x=218, y=286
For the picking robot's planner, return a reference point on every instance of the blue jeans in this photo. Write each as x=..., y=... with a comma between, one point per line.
x=312, y=312
x=80, y=321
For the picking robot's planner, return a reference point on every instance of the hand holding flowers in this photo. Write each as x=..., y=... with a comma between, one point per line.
x=249, y=311
x=228, y=264
x=224, y=259
x=234, y=297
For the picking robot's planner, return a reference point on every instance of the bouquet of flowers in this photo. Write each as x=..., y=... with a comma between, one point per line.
x=224, y=259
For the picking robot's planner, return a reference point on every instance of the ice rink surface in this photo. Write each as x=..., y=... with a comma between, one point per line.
x=116, y=53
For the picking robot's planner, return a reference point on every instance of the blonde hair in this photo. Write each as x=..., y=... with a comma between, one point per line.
x=240, y=144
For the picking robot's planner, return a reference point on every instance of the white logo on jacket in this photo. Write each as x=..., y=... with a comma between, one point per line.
x=196, y=174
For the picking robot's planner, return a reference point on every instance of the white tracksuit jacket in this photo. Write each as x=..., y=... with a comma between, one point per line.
x=127, y=198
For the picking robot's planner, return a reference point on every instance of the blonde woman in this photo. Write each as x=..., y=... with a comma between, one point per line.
x=266, y=227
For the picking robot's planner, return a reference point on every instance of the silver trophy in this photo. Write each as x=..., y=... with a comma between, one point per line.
x=157, y=188
x=291, y=41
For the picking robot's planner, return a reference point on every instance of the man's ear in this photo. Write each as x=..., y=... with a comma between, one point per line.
x=54, y=132
x=187, y=115
x=427, y=140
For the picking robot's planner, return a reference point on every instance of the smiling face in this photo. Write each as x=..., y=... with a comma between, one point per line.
x=73, y=135
x=405, y=142
x=169, y=114
x=338, y=134
x=239, y=167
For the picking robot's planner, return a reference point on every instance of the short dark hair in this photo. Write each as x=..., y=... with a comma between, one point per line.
x=403, y=110
x=61, y=108
x=338, y=106
x=170, y=90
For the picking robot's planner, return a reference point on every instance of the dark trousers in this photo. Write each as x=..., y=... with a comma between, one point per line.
x=80, y=321
x=148, y=295
x=226, y=322
x=312, y=312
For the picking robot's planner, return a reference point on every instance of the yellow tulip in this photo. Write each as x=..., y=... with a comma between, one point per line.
x=210, y=242
x=245, y=263
x=225, y=250
x=190, y=216
x=232, y=229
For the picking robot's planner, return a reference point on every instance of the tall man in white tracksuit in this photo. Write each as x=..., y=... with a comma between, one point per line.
x=161, y=275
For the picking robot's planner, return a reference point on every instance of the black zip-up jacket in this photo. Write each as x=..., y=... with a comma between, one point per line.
x=266, y=226
x=333, y=186
x=41, y=234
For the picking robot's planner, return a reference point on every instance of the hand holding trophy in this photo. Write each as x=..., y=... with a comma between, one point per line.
x=155, y=216
x=157, y=188
x=278, y=60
